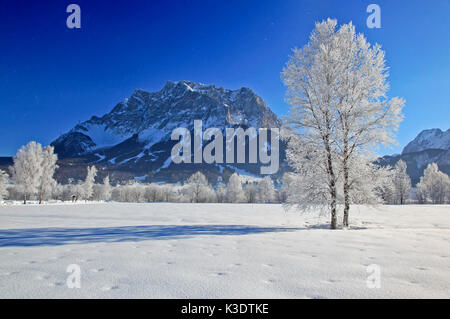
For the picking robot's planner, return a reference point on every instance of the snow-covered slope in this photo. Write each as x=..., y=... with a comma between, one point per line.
x=222, y=251
x=429, y=139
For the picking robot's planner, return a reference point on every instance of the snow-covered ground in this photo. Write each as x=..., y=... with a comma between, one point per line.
x=221, y=251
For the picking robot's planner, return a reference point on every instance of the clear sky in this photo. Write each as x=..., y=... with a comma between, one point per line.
x=52, y=77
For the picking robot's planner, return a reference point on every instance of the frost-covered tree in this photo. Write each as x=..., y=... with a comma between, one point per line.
x=4, y=178
x=402, y=182
x=421, y=193
x=198, y=189
x=194, y=186
x=47, y=183
x=337, y=89
x=102, y=191
x=266, y=190
x=235, y=193
x=134, y=192
x=107, y=188
x=287, y=187
x=367, y=180
x=58, y=192
x=386, y=188
x=27, y=169
x=312, y=124
x=152, y=193
x=221, y=193
x=315, y=183
x=167, y=193
x=88, y=184
x=434, y=185
x=251, y=192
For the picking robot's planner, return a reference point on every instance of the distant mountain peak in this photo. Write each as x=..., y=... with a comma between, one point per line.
x=429, y=139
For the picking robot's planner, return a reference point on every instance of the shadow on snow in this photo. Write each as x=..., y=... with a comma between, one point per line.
x=63, y=236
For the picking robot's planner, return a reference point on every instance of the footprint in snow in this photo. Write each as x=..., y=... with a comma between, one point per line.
x=97, y=270
x=236, y=265
x=422, y=268
x=219, y=274
x=108, y=288
x=56, y=284
x=85, y=260
x=331, y=281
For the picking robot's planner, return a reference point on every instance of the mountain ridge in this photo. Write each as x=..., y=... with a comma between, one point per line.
x=429, y=139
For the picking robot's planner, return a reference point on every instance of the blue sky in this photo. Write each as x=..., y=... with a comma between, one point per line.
x=52, y=77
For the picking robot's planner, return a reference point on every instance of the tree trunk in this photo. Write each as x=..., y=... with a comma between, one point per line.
x=333, y=224
x=345, y=222
x=24, y=199
x=346, y=183
x=333, y=192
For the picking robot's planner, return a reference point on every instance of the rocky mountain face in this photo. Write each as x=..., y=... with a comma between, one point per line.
x=430, y=146
x=133, y=140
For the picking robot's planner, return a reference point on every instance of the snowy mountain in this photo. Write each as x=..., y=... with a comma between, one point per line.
x=429, y=139
x=430, y=146
x=133, y=140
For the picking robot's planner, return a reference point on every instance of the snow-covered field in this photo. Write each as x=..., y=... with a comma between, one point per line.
x=221, y=251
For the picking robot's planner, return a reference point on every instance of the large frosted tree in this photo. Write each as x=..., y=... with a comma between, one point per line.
x=337, y=88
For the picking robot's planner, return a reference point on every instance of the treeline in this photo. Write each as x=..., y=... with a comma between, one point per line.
x=34, y=167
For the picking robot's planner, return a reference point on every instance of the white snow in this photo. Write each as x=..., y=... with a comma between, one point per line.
x=140, y=178
x=103, y=137
x=151, y=136
x=162, y=250
x=100, y=157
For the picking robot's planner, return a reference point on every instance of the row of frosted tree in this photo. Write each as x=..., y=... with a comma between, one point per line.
x=34, y=168
x=32, y=177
